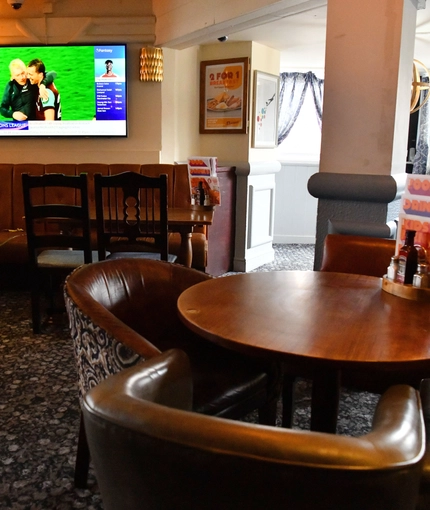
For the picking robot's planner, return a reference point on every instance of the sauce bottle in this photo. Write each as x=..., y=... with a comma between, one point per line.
x=201, y=193
x=408, y=259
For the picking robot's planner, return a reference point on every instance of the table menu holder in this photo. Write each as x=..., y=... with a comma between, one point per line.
x=405, y=291
x=204, y=184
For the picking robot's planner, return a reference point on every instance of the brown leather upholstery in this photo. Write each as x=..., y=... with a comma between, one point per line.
x=122, y=311
x=357, y=254
x=424, y=501
x=151, y=452
x=367, y=256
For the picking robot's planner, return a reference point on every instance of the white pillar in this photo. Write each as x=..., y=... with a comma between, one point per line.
x=367, y=91
x=367, y=86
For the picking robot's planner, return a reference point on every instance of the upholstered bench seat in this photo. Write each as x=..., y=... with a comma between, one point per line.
x=13, y=239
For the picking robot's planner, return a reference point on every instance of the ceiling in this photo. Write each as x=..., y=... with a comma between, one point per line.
x=301, y=38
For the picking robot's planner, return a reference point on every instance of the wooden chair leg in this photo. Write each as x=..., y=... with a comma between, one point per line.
x=82, y=458
x=35, y=308
x=288, y=400
x=267, y=413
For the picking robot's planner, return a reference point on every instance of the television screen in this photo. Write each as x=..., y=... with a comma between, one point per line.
x=63, y=91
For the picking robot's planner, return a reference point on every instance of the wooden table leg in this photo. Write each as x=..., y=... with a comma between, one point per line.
x=325, y=401
x=186, y=249
x=288, y=400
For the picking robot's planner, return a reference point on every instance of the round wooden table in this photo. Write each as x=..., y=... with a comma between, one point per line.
x=319, y=323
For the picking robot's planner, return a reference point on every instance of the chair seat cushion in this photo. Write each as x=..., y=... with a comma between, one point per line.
x=140, y=255
x=63, y=258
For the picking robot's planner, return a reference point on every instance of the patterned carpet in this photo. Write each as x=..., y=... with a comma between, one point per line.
x=39, y=410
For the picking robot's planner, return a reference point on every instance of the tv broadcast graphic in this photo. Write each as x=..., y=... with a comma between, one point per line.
x=68, y=91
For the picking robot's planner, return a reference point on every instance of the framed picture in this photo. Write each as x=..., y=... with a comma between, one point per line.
x=266, y=100
x=224, y=96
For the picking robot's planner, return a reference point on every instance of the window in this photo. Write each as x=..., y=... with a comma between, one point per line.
x=303, y=141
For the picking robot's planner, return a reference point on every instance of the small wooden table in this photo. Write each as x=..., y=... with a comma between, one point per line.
x=319, y=323
x=183, y=220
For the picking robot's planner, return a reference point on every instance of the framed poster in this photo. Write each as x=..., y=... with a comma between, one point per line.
x=223, y=96
x=266, y=100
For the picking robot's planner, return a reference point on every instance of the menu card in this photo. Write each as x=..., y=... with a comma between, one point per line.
x=204, y=184
x=415, y=212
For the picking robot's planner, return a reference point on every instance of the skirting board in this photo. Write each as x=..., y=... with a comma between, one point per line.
x=292, y=239
x=255, y=258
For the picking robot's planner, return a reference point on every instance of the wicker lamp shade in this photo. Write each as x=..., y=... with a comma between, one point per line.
x=151, y=64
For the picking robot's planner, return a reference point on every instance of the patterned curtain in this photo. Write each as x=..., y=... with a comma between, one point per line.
x=421, y=161
x=291, y=97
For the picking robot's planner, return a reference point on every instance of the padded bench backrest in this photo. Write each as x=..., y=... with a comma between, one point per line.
x=11, y=199
x=6, y=211
x=17, y=196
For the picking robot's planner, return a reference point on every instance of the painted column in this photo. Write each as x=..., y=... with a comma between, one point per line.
x=367, y=89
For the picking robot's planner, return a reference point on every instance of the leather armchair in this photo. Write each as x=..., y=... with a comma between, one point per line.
x=424, y=500
x=151, y=452
x=124, y=311
x=369, y=256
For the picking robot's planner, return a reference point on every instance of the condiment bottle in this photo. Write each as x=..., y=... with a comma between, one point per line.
x=421, y=277
x=201, y=192
x=408, y=259
x=393, y=268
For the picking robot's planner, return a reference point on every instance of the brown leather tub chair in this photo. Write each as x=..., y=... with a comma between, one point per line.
x=424, y=501
x=150, y=452
x=357, y=254
x=369, y=256
x=124, y=311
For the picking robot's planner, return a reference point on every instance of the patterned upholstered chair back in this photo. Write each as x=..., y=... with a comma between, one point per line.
x=125, y=299
x=98, y=354
x=132, y=300
x=124, y=311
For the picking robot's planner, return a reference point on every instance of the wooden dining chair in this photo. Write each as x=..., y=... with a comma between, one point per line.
x=58, y=232
x=132, y=216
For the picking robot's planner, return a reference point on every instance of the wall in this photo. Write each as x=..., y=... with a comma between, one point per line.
x=76, y=22
x=144, y=132
x=296, y=209
x=233, y=146
x=256, y=168
x=180, y=109
x=183, y=23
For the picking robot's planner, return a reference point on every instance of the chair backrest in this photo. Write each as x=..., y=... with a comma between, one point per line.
x=56, y=213
x=368, y=256
x=424, y=503
x=131, y=213
x=122, y=311
x=150, y=451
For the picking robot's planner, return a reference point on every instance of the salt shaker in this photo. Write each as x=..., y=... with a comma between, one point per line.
x=393, y=268
x=421, y=277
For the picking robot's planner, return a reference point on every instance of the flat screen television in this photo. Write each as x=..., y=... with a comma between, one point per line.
x=87, y=96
